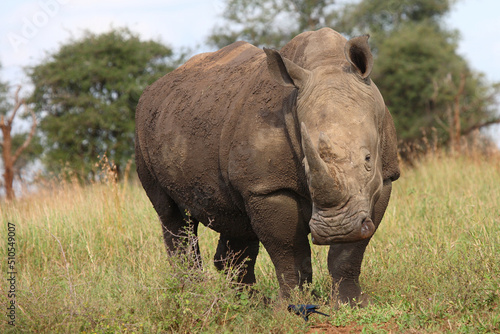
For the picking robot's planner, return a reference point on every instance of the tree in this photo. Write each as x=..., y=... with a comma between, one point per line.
x=11, y=148
x=378, y=17
x=424, y=81
x=407, y=70
x=86, y=93
x=271, y=23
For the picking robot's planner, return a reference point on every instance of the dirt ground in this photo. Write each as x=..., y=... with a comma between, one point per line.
x=354, y=328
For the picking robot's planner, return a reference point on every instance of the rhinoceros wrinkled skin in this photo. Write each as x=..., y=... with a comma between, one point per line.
x=271, y=146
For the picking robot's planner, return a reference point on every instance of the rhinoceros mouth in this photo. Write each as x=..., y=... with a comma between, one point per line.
x=337, y=229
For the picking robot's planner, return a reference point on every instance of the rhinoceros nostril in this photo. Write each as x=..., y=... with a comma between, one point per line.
x=367, y=228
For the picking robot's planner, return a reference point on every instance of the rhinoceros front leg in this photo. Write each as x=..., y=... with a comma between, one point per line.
x=344, y=260
x=344, y=264
x=279, y=222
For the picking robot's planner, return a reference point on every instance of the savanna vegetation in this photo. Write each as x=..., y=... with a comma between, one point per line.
x=89, y=251
x=91, y=259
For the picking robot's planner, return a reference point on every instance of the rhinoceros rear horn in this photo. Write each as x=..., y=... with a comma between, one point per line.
x=357, y=51
x=326, y=189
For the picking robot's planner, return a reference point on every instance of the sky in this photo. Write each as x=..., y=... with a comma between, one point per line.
x=31, y=29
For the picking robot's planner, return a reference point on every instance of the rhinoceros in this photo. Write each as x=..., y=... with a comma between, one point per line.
x=271, y=146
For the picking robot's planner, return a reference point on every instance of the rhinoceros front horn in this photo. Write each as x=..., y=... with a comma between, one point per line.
x=326, y=188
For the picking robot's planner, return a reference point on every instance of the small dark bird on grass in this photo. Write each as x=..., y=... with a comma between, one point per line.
x=304, y=310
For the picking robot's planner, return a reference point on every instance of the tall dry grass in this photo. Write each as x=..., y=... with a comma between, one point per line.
x=91, y=259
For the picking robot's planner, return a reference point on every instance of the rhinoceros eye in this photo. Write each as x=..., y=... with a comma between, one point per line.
x=368, y=160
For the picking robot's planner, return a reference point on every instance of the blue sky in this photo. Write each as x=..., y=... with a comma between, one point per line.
x=31, y=28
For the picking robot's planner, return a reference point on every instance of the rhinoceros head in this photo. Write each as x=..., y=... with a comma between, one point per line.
x=340, y=112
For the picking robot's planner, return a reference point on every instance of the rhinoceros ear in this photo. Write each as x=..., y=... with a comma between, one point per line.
x=357, y=51
x=285, y=71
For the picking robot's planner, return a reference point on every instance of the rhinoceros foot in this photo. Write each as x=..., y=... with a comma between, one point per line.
x=349, y=292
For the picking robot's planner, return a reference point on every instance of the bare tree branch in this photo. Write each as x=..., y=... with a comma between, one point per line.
x=18, y=105
x=28, y=139
x=2, y=125
x=7, y=157
x=442, y=123
x=480, y=125
x=457, y=132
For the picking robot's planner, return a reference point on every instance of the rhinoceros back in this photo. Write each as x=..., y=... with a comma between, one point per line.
x=185, y=122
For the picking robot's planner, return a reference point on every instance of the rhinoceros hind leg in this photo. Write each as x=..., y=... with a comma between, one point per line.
x=239, y=253
x=179, y=231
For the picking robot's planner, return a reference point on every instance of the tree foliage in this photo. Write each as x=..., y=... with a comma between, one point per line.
x=385, y=16
x=410, y=71
x=86, y=93
x=271, y=22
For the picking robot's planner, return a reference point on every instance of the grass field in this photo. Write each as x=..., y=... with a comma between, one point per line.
x=91, y=260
